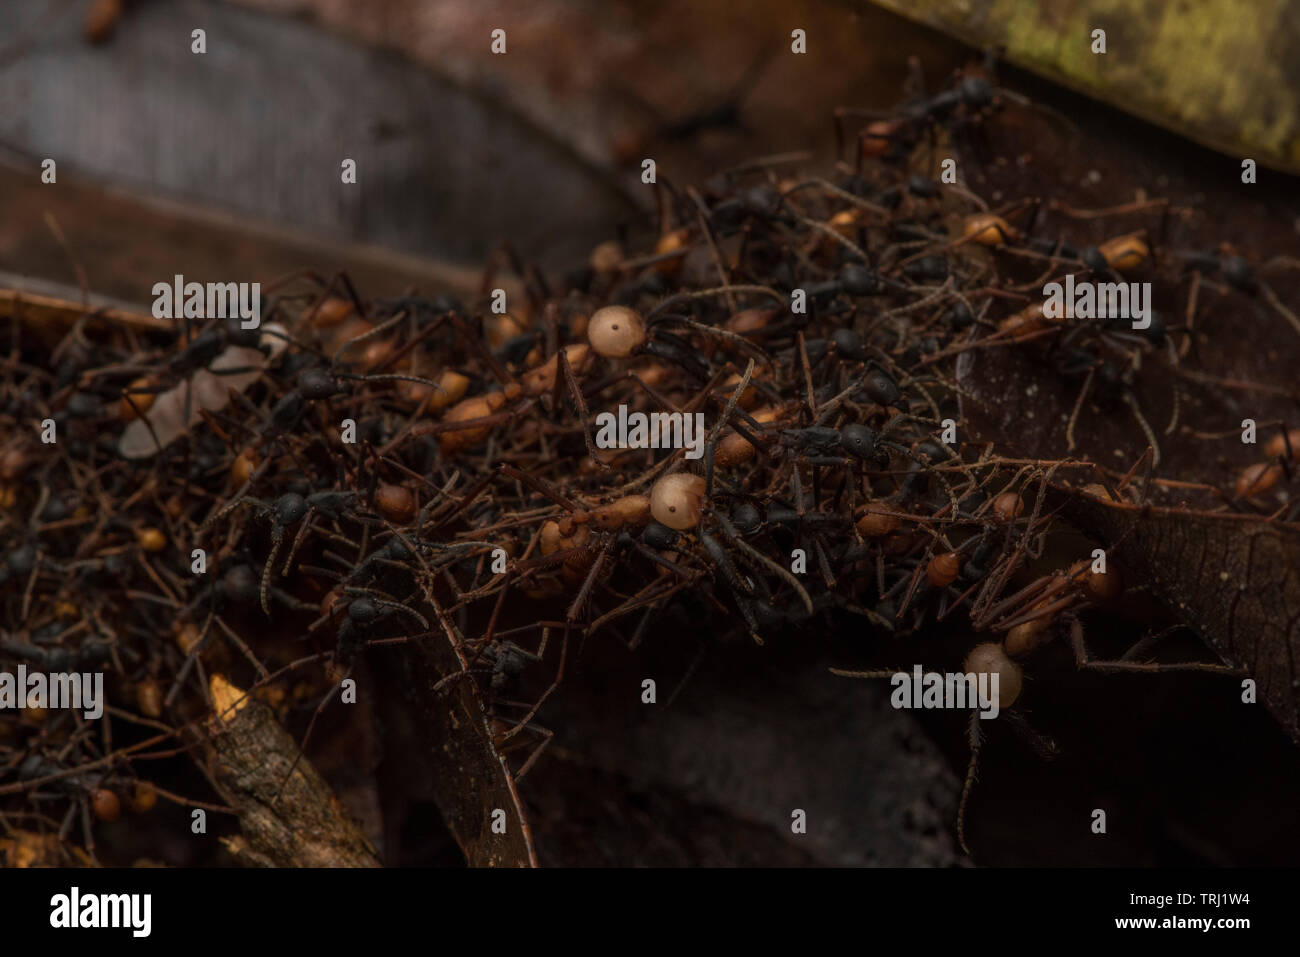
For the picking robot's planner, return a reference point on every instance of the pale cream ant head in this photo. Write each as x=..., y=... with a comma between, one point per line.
x=616, y=332
x=677, y=500
x=990, y=658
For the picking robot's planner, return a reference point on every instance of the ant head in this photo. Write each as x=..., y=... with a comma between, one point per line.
x=1093, y=259
x=363, y=611
x=975, y=91
x=958, y=316
x=286, y=412
x=205, y=347
x=237, y=335
x=509, y=660
x=858, y=279
x=1076, y=362
x=240, y=584
x=761, y=200
x=317, y=383
x=932, y=267
x=934, y=451
x=859, y=441
x=659, y=537
x=746, y=518
x=398, y=550
x=616, y=332
x=881, y=388
x=1239, y=273
x=1110, y=383
x=443, y=304
x=290, y=507
x=922, y=186
x=22, y=560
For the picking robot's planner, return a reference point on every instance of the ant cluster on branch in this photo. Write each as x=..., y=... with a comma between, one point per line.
x=421, y=469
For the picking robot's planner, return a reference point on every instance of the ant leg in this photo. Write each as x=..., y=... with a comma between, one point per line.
x=1044, y=747
x=732, y=579
x=302, y=748
x=658, y=559
x=378, y=330
x=277, y=536
x=958, y=601
x=1086, y=663
x=239, y=643
x=384, y=602
x=539, y=484
x=779, y=569
x=497, y=606
x=827, y=573
x=1036, y=207
x=559, y=676
x=326, y=290
x=547, y=734
x=297, y=542
x=351, y=291
x=686, y=677
x=284, y=598
x=86, y=829
x=239, y=499
x=1044, y=588
x=581, y=599
x=476, y=343
x=1134, y=207
x=183, y=672
x=1131, y=401
x=862, y=674
x=507, y=250
x=911, y=588
x=1039, y=610
x=976, y=739
x=726, y=335
x=711, y=443
x=287, y=278
x=66, y=826
x=574, y=390
x=1271, y=297
x=638, y=633
x=448, y=679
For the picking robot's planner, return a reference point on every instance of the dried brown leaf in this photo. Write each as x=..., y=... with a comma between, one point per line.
x=1233, y=578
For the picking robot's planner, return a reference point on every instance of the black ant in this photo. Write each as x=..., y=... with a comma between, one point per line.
x=287, y=510
x=724, y=115
x=365, y=611
x=1241, y=276
x=893, y=134
x=86, y=793
x=57, y=658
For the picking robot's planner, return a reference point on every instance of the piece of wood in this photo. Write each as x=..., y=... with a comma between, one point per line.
x=39, y=308
x=126, y=241
x=292, y=821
